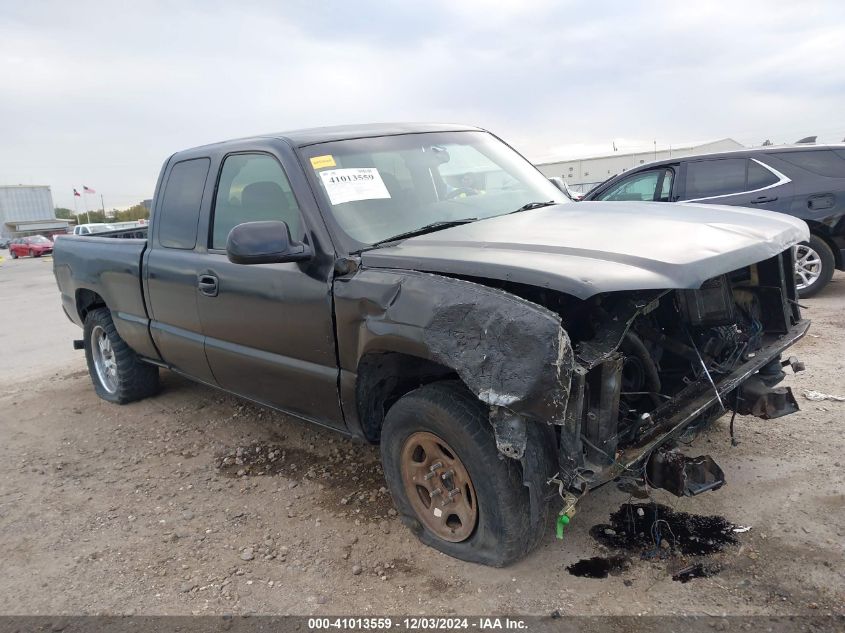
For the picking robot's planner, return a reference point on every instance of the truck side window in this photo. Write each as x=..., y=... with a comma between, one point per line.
x=253, y=188
x=180, y=208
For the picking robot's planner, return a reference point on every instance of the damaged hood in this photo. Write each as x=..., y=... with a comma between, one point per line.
x=591, y=247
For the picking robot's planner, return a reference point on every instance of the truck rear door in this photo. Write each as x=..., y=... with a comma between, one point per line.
x=268, y=328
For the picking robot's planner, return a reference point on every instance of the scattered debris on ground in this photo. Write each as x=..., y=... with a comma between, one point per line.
x=696, y=570
x=818, y=396
x=655, y=531
x=645, y=527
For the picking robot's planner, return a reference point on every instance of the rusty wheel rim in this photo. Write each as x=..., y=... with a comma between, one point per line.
x=439, y=487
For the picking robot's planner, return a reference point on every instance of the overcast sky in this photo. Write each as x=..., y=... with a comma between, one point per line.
x=100, y=93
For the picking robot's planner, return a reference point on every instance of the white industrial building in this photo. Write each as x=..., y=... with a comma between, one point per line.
x=582, y=174
x=28, y=210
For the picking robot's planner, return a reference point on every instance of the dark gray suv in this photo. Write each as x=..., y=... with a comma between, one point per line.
x=805, y=181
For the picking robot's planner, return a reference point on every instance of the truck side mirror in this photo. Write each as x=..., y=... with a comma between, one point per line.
x=264, y=243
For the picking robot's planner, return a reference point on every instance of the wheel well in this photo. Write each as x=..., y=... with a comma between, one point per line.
x=383, y=378
x=87, y=300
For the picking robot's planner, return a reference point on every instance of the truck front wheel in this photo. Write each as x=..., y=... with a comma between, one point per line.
x=449, y=482
x=118, y=374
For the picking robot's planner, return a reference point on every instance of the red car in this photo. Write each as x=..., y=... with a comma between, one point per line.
x=34, y=246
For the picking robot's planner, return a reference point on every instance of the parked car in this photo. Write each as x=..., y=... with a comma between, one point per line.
x=491, y=344
x=807, y=181
x=33, y=246
x=4, y=242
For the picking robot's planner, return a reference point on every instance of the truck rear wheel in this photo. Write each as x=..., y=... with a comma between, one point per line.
x=449, y=482
x=118, y=374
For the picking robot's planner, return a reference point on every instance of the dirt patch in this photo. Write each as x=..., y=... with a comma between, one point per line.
x=342, y=477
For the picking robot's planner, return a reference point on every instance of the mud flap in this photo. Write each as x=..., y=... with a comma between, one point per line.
x=684, y=476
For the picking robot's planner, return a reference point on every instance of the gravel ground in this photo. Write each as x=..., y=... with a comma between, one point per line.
x=193, y=502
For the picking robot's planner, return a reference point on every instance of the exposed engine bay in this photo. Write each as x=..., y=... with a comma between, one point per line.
x=654, y=367
x=645, y=356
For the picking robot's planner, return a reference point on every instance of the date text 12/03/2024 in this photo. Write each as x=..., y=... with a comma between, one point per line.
x=416, y=623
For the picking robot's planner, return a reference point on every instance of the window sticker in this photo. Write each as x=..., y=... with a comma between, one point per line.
x=357, y=183
x=321, y=162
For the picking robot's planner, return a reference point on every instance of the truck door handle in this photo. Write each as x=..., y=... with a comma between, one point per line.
x=763, y=199
x=207, y=285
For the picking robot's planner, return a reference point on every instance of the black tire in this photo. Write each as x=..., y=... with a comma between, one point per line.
x=13, y=254
x=504, y=531
x=134, y=378
x=828, y=264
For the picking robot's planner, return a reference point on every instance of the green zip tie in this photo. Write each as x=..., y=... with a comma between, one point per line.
x=560, y=524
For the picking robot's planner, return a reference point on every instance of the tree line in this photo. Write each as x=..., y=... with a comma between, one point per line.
x=136, y=212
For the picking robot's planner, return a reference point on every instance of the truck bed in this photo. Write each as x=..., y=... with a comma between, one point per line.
x=102, y=270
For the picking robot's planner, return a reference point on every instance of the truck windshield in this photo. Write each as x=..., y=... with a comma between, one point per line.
x=380, y=187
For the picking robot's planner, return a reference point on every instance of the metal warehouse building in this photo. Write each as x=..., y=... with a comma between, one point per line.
x=28, y=210
x=583, y=174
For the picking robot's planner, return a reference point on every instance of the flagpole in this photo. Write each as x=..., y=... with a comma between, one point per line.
x=85, y=201
x=103, y=207
x=75, y=208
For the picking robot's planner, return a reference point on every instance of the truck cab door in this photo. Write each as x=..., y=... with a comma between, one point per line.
x=171, y=269
x=269, y=332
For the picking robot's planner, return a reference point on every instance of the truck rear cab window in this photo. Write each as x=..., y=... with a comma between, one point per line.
x=180, y=208
x=253, y=188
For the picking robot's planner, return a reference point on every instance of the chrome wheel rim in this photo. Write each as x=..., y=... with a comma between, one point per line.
x=808, y=266
x=104, y=360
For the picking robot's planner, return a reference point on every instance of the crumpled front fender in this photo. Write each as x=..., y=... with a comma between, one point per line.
x=511, y=353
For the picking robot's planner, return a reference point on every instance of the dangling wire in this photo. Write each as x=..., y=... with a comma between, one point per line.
x=734, y=441
x=706, y=371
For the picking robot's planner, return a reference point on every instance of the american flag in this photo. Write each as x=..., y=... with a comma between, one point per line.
x=87, y=189
x=76, y=194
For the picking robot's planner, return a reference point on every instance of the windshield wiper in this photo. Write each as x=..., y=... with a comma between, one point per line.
x=534, y=205
x=423, y=230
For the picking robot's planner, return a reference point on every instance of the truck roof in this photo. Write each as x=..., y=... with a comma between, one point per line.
x=315, y=135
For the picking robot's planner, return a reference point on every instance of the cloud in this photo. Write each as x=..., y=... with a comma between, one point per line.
x=101, y=93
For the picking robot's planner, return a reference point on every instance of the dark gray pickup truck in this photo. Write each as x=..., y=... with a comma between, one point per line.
x=426, y=288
